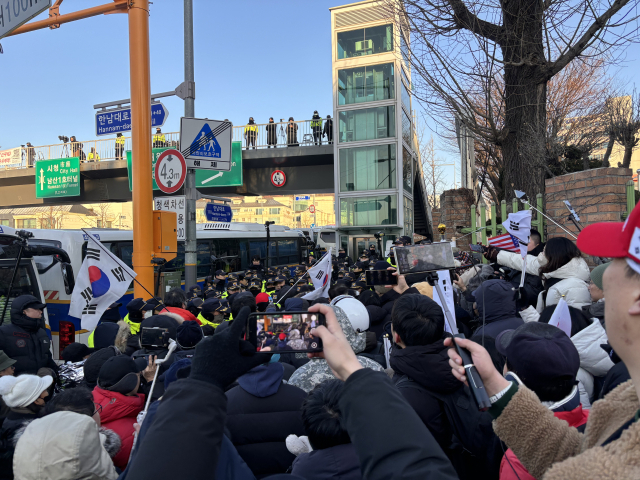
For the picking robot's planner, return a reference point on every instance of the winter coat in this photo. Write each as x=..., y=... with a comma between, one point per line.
x=496, y=304
x=262, y=411
x=25, y=341
x=328, y=129
x=377, y=316
x=573, y=279
x=16, y=419
x=272, y=136
x=512, y=469
x=317, y=370
x=340, y=462
x=292, y=134
x=185, y=315
x=62, y=446
x=428, y=366
x=595, y=310
x=594, y=361
x=552, y=450
x=618, y=374
x=119, y=413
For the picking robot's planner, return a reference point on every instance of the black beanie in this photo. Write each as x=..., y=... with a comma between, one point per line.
x=94, y=363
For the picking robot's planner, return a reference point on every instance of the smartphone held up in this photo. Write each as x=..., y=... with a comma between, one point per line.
x=285, y=332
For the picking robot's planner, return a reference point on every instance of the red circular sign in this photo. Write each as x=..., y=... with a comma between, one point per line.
x=278, y=178
x=170, y=171
x=312, y=208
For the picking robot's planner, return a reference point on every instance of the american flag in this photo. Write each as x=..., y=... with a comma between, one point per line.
x=506, y=242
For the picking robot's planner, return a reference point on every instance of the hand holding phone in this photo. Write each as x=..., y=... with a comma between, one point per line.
x=284, y=332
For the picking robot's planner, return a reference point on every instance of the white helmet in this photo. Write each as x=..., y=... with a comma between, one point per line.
x=354, y=309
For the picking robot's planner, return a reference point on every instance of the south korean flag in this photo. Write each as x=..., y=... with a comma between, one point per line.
x=320, y=275
x=101, y=281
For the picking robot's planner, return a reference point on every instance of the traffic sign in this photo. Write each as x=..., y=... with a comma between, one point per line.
x=155, y=153
x=175, y=204
x=206, y=143
x=302, y=197
x=278, y=178
x=218, y=213
x=119, y=119
x=20, y=12
x=232, y=178
x=312, y=208
x=170, y=171
x=313, y=225
x=59, y=177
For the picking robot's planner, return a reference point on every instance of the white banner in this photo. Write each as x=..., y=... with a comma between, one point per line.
x=102, y=280
x=444, y=280
x=320, y=275
x=11, y=157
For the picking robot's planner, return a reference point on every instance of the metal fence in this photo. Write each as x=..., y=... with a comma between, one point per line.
x=274, y=135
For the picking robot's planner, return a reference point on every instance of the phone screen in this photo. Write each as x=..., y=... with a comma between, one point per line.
x=381, y=277
x=154, y=337
x=284, y=332
x=424, y=258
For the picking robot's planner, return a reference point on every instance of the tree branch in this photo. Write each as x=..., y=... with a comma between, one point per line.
x=463, y=18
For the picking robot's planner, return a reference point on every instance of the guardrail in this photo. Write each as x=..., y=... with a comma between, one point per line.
x=256, y=136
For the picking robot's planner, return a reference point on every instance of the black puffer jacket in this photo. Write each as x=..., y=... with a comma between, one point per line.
x=377, y=317
x=261, y=412
x=25, y=339
x=496, y=304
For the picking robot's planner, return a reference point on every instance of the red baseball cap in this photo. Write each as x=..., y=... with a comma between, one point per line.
x=613, y=239
x=262, y=298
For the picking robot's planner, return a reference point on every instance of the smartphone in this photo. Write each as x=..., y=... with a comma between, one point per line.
x=284, y=332
x=154, y=337
x=477, y=248
x=381, y=277
x=424, y=258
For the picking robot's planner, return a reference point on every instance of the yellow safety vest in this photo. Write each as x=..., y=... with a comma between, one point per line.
x=389, y=262
x=251, y=128
x=119, y=140
x=93, y=156
x=316, y=123
x=90, y=340
x=133, y=326
x=204, y=321
x=159, y=138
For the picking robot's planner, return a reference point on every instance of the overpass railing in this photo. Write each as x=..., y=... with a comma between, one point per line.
x=257, y=136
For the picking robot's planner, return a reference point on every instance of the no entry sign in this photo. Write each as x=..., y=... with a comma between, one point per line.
x=170, y=171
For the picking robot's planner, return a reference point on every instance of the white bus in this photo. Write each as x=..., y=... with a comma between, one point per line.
x=230, y=249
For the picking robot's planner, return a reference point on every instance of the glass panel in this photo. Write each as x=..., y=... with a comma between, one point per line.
x=177, y=264
x=365, y=84
x=365, y=41
x=260, y=248
x=408, y=216
x=406, y=128
x=380, y=210
x=203, y=259
x=287, y=249
x=368, y=168
x=406, y=98
x=227, y=252
x=126, y=253
x=407, y=180
x=328, y=237
x=404, y=49
x=367, y=124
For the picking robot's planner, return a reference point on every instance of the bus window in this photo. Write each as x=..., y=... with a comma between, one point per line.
x=288, y=251
x=244, y=255
x=328, y=237
x=228, y=254
x=260, y=249
x=203, y=252
x=177, y=264
x=126, y=253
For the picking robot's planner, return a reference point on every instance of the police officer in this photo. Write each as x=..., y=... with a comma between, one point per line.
x=255, y=286
x=110, y=315
x=155, y=306
x=280, y=282
x=93, y=156
x=25, y=339
x=194, y=291
x=251, y=133
x=119, y=146
x=136, y=308
x=328, y=129
x=213, y=312
x=316, y=127
x=221, y=281
x=343, y=258
x=391, y=259
x=159, y=141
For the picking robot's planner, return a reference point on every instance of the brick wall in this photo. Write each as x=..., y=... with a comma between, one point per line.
x=597, y=195
x=454, y=212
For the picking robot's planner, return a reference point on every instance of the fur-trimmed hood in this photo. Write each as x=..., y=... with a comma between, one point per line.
x=124, y=332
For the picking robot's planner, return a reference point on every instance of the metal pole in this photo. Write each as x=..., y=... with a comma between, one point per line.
x=141, y=145
x=190, y=258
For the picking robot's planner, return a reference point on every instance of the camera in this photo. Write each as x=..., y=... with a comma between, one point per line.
x=24, y=234
x=378, y=235
x=158, y=261
x=63, y=138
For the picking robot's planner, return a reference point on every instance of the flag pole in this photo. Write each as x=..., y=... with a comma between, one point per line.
x=115, y=259
x=548, y=218
x=301, y=277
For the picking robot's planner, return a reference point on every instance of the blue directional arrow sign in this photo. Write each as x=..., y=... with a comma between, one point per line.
x=218, y=213
x=119, y=120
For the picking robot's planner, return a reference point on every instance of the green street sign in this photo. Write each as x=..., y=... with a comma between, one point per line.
x=154, y=158
x=232, y=178
x=58, y=177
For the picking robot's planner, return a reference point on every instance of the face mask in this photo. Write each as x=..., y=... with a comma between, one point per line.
x=148, y=314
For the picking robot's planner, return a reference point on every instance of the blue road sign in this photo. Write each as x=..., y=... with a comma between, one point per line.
x=302, y=197
x=218, y=213
x=119, y=120
x=313, y=225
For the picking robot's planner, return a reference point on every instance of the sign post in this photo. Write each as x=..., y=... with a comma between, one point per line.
x=206, y=143
x=59, y=177
x=170, y=171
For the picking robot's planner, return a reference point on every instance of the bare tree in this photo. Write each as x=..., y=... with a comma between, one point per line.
x=461, y=49
x=51, y=217
x=433, y=171
x=623, y=123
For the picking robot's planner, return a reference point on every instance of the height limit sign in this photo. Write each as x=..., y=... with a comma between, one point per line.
x=170, y=171
x=206, y=143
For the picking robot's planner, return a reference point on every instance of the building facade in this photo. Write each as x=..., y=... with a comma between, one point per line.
x=376, y=162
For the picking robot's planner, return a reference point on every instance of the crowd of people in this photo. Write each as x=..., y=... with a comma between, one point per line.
x=177, y=389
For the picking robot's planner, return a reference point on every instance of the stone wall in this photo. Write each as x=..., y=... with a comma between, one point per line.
x=597, y=195
x=454, y=212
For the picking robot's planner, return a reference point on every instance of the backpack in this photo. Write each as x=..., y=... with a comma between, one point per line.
x=472, y=431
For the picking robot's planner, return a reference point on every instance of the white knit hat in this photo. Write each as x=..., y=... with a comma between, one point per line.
x=23, y=390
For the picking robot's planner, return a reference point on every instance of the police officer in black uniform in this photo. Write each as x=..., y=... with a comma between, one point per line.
x=25, y=339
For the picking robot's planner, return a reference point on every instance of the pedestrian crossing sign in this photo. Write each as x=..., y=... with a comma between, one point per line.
x=206, y=144
x=209, y=147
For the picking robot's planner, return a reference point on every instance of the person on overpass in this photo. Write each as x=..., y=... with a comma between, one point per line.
x=31, y=155
x=316, y=127
x=76, y=149
x=328, y=129
x=159, y=140
x=251, y=133
x=272, y=135
x=93, y=156
x=119, y=146
x=292, y=133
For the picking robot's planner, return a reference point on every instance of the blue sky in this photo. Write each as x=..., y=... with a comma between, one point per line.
x=252, y=58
